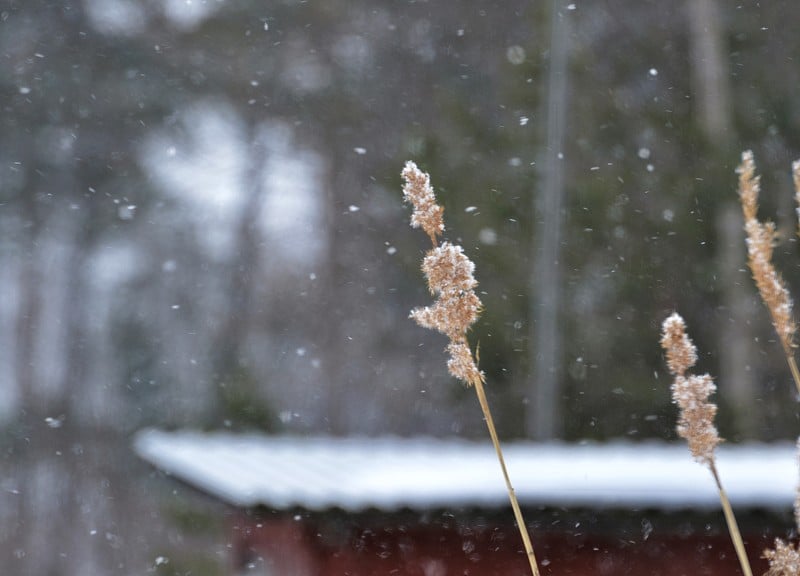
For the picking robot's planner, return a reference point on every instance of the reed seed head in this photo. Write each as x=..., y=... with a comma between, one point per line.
x=760, y=244
x=462, y=364
x=450, y=279
x=681, y=353
x=784, y=559
x=448, y=269
x=696, y=422
x=449, y=273
x=417, y=190
x=450, y=314
x=749, y=185
x=690, y=392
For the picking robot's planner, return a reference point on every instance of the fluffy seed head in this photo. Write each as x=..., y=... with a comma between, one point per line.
x=760, y=244
x=681, y=353
x=451, y=314
x=784, y=559
x=417, y=190
x=447, y=269
x=690, y=393
x=749, y=185
x=457, y=307
x=450, y=278
x=462, y=364
x=696, y=422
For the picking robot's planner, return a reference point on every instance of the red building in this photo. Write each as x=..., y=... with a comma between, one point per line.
x=425, y=507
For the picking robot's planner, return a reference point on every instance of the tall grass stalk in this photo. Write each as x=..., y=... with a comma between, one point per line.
x=691, y=392
x=696, y=422
x=730, y=519
x=784, y=558
x=450, y=279
x=761, y=237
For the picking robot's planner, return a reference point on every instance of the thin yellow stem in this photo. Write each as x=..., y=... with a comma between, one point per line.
x=793, y=368
x=733, y=527
x=523, y=530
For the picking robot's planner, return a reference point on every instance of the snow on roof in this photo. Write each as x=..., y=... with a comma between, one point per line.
x=390, y=473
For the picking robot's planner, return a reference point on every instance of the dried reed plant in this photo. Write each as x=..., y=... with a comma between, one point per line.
x=760, y=241
x=696, y=422
x=449, y=273
x=784, y=558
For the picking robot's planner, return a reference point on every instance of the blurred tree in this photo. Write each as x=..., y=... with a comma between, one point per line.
x=712, y=98
x=153, y=274
x=544, y=421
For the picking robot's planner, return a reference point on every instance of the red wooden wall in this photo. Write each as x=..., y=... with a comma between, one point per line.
x=383, y=544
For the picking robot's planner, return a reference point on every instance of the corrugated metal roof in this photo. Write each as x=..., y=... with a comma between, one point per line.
x=391, y=473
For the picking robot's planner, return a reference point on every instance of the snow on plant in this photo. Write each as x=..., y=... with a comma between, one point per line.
x=784, y=558
x=690, y=392
x=760, y=243
x=696, y=422
x=449, y=273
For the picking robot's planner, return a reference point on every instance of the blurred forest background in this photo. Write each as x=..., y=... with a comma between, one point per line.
x=202, y=226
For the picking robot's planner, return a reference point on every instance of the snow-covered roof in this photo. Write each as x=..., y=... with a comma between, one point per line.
x=390, y=473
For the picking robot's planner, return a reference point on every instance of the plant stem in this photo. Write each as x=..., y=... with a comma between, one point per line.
x=793, y=368
x=733, y=527
x=523, y=530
